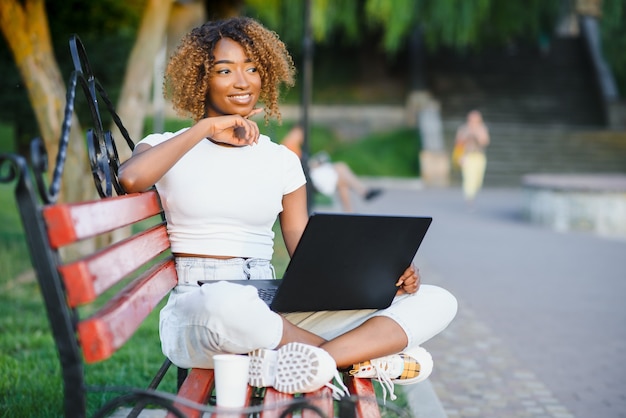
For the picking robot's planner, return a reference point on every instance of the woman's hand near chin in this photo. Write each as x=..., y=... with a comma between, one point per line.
x=234, y=130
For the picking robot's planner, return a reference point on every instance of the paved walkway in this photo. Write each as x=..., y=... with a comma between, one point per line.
x=541, y=329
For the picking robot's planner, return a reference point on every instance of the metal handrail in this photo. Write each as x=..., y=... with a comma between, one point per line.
x=102, y=152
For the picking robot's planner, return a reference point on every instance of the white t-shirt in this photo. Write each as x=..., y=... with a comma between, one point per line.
x=224, y=200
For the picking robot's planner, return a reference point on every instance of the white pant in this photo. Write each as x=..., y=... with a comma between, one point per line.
x=473, y=173
x=324, y=178
x=199, y=321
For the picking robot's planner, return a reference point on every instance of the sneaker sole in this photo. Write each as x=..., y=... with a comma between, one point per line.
x=262, y=369
x=301, y=368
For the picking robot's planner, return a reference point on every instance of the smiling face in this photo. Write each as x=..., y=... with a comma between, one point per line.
x=235, y=83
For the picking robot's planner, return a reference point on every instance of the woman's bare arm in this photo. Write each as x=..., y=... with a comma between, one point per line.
x=293, y=218
x=148, y=164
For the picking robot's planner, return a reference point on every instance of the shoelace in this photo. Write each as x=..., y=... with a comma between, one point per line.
x=338, y=392
x=385, y=382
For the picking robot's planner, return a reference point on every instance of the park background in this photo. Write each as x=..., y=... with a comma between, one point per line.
x=378, y=69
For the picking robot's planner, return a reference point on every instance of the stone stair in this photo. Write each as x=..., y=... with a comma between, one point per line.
x=521, y=87
x=542, y=111
x=518, y=149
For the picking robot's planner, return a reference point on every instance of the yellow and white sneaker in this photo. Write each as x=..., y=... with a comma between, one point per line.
x=412, y=366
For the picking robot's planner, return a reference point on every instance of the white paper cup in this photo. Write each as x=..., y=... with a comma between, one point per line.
x=231, y=379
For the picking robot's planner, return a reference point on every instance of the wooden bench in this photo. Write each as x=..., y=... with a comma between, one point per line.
x=120, y=283
x=69, y=286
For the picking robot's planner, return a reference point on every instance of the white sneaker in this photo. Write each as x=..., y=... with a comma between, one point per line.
x=294, y=368
x=407, y=368
x=262, y=368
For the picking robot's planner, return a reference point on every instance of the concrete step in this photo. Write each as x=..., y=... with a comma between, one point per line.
x=519, y=149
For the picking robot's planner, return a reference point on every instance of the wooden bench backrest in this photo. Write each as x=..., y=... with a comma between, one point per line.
x=87, y=278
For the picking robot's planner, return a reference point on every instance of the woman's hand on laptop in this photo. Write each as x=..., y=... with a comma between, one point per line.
x=409, y=282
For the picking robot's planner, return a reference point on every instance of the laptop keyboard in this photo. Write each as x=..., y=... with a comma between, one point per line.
x=267, y=295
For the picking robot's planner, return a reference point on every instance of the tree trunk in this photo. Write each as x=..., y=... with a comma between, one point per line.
x=183, y=18
x=135, y=95
x=25, y=27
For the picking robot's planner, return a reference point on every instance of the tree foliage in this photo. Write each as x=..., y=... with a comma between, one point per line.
x=613, y=27
x=101, y=18
x=105, y=26
x=108, y=29
x=457, y=24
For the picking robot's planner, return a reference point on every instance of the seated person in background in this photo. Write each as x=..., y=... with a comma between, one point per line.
x=329, y=177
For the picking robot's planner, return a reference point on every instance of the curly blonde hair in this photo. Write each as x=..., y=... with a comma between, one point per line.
x=190, y=68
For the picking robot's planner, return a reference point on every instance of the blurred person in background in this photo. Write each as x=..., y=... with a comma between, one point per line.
x=471, y=140
x=329, y=177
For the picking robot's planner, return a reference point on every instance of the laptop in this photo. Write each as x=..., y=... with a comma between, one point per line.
x=345, y=261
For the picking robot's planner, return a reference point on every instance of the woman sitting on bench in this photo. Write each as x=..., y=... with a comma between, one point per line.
x=222, y=185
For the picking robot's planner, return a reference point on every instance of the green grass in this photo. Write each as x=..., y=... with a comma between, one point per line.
x=393, y=154
x=30, y=380
x=28, y=361
x=7, y=143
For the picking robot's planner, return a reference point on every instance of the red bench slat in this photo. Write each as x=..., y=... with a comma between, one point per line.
x=273, y=397
x=197, y=387
x=68, y=223
x=88, y=278
x=323, y=399
x=107, y=330
x=366, y=406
